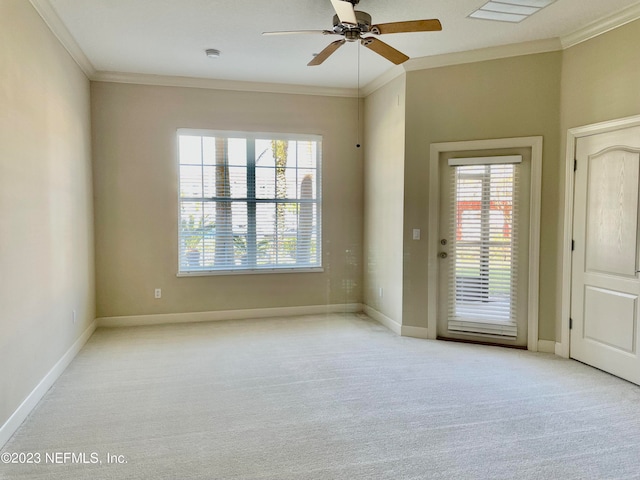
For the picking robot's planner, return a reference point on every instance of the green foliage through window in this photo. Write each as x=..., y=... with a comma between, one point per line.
x=248, y=202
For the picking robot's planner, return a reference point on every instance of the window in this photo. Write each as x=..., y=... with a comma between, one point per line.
x=248, y=202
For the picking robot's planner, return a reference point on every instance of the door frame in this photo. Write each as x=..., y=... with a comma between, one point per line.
x=573, y=134
x=535, y=143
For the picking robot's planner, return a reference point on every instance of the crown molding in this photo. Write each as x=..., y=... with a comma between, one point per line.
x=468, y=56
x=55, y=24
x=57, y=27
x=601, y=26
x=484, y=54
x=210, y=83
x=592, y=30
x=382, y=80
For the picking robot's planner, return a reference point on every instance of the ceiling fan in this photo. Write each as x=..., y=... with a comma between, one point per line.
x=353, y=24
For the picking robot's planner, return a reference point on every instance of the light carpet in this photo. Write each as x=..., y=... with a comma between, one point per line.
x=324, y=397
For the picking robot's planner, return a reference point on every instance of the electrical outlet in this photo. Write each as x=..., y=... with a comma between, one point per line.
x=416, y=234
x=158, y=293
x=380, y=292
x=73, y=316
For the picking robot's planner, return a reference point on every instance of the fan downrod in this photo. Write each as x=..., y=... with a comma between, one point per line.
x=352, y=32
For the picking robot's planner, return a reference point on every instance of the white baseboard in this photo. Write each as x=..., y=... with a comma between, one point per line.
x=416, y=332
x=395, y=327
x=29, y=403
x=546, y=346
x=213, y=316
x=549, y=346
x=391, y=324
x=561, y=351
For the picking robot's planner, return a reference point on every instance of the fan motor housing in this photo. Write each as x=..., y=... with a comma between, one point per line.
x=364, y=25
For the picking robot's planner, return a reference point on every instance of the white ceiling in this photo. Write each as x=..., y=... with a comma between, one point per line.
x=168, y=37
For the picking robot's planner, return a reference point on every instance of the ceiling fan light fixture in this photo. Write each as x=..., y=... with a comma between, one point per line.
x=353, y=24
x=212, y=52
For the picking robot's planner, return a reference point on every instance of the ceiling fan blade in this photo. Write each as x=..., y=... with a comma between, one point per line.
x=345, y=12
x=432, y=25
x=324, y=54
x=387, y=51
x=294, y=32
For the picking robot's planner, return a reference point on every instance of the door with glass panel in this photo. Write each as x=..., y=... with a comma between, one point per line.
x=483, y=254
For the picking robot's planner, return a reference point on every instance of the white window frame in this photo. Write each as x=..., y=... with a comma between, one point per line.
x=252, y=137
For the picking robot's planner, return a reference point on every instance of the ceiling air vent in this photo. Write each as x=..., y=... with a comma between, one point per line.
x=513, y=11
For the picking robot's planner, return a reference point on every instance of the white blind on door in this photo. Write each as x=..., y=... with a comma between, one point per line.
x=483, y=274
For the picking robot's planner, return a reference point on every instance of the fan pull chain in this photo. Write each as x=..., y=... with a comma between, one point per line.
x=358, y=100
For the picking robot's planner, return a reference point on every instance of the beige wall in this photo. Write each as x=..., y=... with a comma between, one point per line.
x=384, y=197
x=46, y=234
x=135, y=165
x=601, y=78
x=510, y=97
x=600, y=81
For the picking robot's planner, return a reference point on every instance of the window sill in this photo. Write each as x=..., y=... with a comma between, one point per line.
x=262, y=271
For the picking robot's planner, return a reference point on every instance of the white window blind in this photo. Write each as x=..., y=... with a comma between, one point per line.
x=248, y=202
x=483, y=277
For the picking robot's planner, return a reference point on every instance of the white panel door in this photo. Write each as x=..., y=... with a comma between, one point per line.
x=605, y=282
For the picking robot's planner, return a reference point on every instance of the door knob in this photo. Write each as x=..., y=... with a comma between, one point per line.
x=443, y=255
